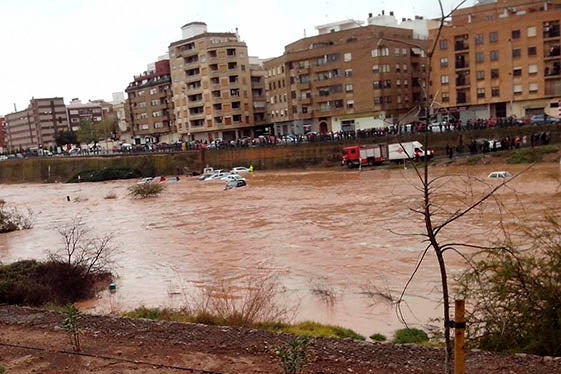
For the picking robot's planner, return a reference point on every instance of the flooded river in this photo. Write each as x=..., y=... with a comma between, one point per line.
x=334, y=238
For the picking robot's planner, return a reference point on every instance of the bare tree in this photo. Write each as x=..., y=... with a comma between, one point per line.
x=82, y=250
x=439, y=215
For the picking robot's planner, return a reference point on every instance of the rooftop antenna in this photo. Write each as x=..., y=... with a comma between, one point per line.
x=15, y=108
x=304, y=32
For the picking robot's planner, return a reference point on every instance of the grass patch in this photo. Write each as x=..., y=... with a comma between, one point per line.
x=530, y=155
x=473, y=160
x=378, y=337
x=311, y=329
x=315, y=329
x=145, y=190
x=105, y=174
x=410, y=336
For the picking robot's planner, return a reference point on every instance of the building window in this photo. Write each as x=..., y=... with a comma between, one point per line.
x=533, y=88
x=518, y=89
x=494, y=55
x=444, y=62
x=348, y=73
x=517, y=72
x=398, y=83
x=348, y=88
x=515, y=34
x=74, y=120
x=494, y=73
x=479, y=57
x=495, y=92
x=532, y=51
x=375, y=69
x=481, y=93
x=480, y=75
x=516, y=53
x=350, y=104
x=443, y=44
x=444, y=79
x=532, y=31
x=445, y=97
x=532, y=69
x=153, y=91
x=347, y=57
x=493, y=37
x=478, y=39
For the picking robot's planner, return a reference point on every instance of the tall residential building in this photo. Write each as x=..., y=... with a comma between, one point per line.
x=93, y=110
x=258, y=95
x=149, y=107
x=211, y=81
x=346, y=78
x=2, y=134
x=499, y=59
x=36, y=126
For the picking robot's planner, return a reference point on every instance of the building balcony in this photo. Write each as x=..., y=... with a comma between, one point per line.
x=192, y=78
x=196, y=116
x=194, y=104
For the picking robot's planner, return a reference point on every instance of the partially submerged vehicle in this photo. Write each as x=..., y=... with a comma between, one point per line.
x=236, y=183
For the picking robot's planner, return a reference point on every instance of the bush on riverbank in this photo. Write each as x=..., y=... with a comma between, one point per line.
x=105, y=174
x=34, y=283
x=530, y=155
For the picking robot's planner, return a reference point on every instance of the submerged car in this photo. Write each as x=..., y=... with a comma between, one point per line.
x=500, y=175
x=239, y=170
x=235, y=184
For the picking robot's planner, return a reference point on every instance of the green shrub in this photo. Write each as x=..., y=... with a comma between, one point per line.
x=293, y=355
x=35, y=283
x=145, y=190
x=378, y=337
x=105, y=174
x=2, y=369
x=408, y=336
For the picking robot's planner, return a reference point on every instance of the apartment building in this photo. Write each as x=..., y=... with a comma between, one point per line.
x=2, y=134
x=347, y=78
x=92, y=111
x=499, y=59
x=259, y=97
x=36, y=126
x=149, y=106
x=211, y=82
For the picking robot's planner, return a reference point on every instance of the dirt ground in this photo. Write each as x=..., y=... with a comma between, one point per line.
x=32, y=341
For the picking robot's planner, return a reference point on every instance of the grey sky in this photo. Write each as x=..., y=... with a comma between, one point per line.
x=92, y=48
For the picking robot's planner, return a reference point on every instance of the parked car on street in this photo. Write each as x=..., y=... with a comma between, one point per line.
x=543, y=119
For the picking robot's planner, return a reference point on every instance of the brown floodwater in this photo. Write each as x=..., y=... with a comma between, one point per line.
x=333, y=238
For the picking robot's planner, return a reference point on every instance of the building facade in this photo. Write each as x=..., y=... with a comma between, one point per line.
x=92, y=111
x=36, y=126
x=2, y=135
x=211, y=82
x=347, y=78
x=499, y=59
x=149, y=106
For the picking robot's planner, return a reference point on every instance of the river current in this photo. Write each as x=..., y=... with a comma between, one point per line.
x=342, y=244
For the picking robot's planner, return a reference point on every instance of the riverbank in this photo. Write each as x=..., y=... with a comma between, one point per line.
x=32, y=341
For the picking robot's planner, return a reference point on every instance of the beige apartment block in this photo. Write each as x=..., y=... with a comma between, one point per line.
x=92, y=111
x=211, y=83
x=37, y=125
x=347, y=78
x=149, y=106
x=498, y=60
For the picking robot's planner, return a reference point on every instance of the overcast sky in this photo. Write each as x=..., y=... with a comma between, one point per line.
x=91, y=48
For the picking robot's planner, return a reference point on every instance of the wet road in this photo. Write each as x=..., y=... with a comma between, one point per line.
x=333, y=238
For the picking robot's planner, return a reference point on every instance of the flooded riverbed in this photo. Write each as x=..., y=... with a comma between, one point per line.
x=336, y=233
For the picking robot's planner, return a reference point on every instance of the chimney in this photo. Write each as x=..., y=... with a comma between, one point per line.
x=382, y=12
x=369, y=15
x=391, y=13
x=403, y=19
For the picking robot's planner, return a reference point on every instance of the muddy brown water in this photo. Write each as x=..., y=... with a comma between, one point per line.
x=341, y=243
